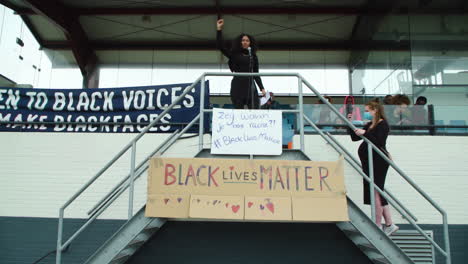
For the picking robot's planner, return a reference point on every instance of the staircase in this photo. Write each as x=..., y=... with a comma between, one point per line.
x=127, y=240
x=361, y=229
x=370, y=239
x=415, y=245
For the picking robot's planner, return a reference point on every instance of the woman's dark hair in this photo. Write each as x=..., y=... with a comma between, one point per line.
x=421, y=100
x=400, y=99
x=237, y=47
x=387, y=99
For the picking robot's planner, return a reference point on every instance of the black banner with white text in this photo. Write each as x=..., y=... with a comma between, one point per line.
x=112, y=110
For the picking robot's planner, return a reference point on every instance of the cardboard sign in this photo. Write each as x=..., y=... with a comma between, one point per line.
x=255, y=132
x=268, y=208
x=247, y=189
x=169, y=205
x=217, y=207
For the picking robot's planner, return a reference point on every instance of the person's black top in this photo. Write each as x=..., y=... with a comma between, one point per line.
x=378, y=135
x=239, y=61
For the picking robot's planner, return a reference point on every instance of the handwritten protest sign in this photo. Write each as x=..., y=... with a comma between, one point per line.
x=247, y=189
x=255, y=132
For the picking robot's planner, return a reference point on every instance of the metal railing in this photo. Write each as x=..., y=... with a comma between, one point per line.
x=137, y=170
x=125, y=183
x=371, y=147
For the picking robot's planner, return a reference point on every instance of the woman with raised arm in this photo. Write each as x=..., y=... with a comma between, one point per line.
x=242, y=58
x=377, y=132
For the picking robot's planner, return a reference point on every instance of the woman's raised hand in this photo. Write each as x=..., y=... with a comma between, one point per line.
x=220, y=24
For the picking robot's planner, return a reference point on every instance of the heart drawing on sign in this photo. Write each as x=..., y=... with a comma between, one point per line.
x=235, y=208
x=231, y=167
x=179, y=199
x=270, y=206
x=249, y=204
x=166, y=200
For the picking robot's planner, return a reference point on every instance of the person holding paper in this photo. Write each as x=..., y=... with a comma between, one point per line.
x=268, y=101
x=377, y=132
x=242, y=58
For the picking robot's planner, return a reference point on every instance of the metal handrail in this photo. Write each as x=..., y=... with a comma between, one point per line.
x=446, y=253
x=387, y=191
x=144, y=166
x=371, y=148
x=385, y=194
x=136, y=172
x=130, y=145
x=118, y=185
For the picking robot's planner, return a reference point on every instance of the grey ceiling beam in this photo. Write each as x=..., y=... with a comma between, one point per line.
x=69, y=23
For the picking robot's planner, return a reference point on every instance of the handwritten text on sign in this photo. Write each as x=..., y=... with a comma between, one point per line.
x=246, y=132
x=246, y=189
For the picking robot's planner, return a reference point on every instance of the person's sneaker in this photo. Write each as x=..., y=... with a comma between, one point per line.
x=390, y=229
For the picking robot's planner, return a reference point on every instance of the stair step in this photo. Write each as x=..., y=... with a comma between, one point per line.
x=409, y=246
x=415, y=245
x=370, y=239
x=124, y=255
x=155, y=224
x=362, y=242
x=120, y=257
x=365, y=246
x=412, y=242
x=122, y=261
x=406, y=237
x=150, y=228
x=376, y=257
x=421, y=259
x=350, y=230
x=418, y=256
x=380, y=260
x=418, y=251
x=135, y=242
x=140, y=239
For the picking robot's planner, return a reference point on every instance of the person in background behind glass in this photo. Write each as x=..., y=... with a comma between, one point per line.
x=325, y=116
x=419, y=112
x=349, y=108
x=400, y=115
x=387, y=99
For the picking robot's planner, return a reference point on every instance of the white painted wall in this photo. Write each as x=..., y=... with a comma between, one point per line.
x=40, y=171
